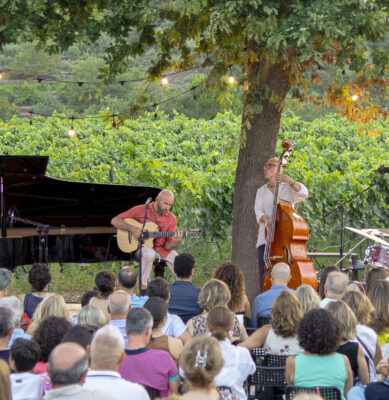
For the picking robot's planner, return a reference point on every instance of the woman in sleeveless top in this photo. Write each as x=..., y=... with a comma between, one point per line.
x=200, y=362
x=348, y=331
x=158, y=309
x=213, y=293
x=366, y=337
x=105, y=283
x=39, y=278
x=280, y=337
x=319, y=365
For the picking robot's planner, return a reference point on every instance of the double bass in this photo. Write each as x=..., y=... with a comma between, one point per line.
x=286, y=237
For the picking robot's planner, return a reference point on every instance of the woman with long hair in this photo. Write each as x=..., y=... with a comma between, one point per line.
x=280, y=337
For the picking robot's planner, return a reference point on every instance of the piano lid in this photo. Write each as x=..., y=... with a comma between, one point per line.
x=58, y=202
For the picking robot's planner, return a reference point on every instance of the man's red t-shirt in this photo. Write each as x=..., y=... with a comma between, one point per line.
x=165, y=223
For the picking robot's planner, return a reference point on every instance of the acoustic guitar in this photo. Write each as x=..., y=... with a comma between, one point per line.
x=128, y=243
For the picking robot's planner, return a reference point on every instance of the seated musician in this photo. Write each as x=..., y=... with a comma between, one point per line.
x=289, y=190
x=159, y=213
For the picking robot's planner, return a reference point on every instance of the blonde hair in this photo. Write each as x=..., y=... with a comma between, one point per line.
x=214, y=293
x=220, y=320
x=201, y=374
x=345, y=317
x=308, y=298
x=92, y=318
x=360, y=304
x=53, y=305
x=5, y=389
x=379, y=297
x=286, y=314
x=307, y=396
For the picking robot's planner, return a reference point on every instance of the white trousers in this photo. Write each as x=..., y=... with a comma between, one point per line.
x=148, y=257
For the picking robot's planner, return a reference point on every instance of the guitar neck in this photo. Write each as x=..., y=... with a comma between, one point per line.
x=166, y=234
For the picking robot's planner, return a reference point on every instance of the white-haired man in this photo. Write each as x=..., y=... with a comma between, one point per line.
x=159, y=213
x=5, y=281
x=16, y=307
x=119, y=303
x=334, y=288
x=107, y=354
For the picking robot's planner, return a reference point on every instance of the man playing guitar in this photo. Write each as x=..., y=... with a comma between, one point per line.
x=159, y=213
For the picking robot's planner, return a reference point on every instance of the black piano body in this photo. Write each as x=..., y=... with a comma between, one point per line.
x=79, y=215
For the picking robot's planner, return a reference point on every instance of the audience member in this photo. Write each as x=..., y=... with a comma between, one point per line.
x=374, y=275
x=232, y=276
x=174, y=326
x=39, y=278
x=238, y=363
x=200, y=362
x=280, y=337
x=5, y=390
x=379, y=297
x=158, y=310
x=107, y=353
x=128, y=278
x=323, y=278
x=68, y=365
x=119, y=303
x=366, y=337
x=308, y=298
x=5, y=281
x=149, y=367
x=105, y=283
x=214, y=293
x=91, y=318
x=7, y=326
x=85, y=298
x=334, y=288
x=379, y=390
x=183, y=294
x=48, y=334
x=348, y=331
x=280, y=277
x=16, y=307
x=319, y=365
x=78, y=334
x=51, y=306
x=24, y=384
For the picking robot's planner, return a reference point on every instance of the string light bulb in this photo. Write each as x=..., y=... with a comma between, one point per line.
x=71, y=131
x=354, y=97
x=164, y=81
x=231, y=79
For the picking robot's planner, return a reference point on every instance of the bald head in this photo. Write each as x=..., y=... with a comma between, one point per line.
x=119, y=303
x=165, y=194
x=68, y=363
x=336, y=285
x=280, y=274
x=164, y=202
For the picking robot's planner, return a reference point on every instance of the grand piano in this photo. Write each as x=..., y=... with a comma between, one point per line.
x=72, y=218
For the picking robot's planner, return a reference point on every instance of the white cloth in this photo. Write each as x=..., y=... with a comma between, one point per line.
x=264, y=203
x=325, y=301
x=275, y=344
x=111, y=382
x=77, y=392
x=238, y=365
x=174, y=326
x=368, y=337
x=148, y=257
x=26, y=386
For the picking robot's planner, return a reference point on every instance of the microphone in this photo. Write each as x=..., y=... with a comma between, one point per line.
x=149, y=200
x=382, y=170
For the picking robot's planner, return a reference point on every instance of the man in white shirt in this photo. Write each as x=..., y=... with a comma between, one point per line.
x=107, y=354
x=119, y=303
x=289, y=190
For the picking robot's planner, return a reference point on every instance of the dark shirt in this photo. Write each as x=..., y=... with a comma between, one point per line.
x=183, y=300
x=31, y=303
x=4, y=355
x=350, y=349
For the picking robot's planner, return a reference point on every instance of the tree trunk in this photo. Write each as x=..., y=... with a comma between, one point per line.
x=258, y=145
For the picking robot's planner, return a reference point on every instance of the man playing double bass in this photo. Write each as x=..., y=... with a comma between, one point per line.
x=289, y=190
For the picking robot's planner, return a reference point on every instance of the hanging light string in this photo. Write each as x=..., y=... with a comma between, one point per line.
x=80, y=83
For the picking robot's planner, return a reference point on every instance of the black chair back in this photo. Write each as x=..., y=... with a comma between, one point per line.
x=327, y=392
x=153, y=392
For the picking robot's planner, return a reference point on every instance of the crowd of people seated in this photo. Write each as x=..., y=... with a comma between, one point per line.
x=189, y=342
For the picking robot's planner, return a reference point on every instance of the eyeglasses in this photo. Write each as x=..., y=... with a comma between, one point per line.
x=270, y=166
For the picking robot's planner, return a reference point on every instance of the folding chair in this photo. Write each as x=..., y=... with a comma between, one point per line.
x=327, y=392
x=153, y=392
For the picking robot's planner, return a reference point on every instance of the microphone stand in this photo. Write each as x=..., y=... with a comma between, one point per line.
x=140, y=246
x=341, y=208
